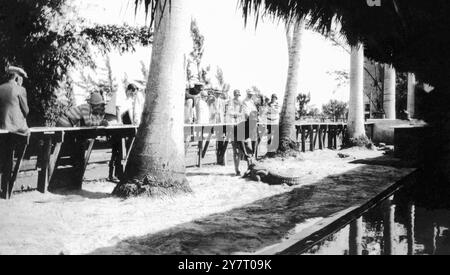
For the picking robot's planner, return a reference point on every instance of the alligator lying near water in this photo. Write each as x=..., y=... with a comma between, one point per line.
x=260, y=173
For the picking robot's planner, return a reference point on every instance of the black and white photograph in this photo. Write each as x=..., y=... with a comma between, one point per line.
x=239, y=128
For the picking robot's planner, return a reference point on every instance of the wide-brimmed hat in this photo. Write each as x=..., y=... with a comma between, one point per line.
x=251, y=92
x=17, y=70
x=96, y=99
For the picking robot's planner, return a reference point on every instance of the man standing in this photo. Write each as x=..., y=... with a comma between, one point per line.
x=132, y=112
x=234, y=108
x=273, y=115
x=13, y=103
x=192, y=96
x=217, y=107
x=251, y=118
x=13, y=114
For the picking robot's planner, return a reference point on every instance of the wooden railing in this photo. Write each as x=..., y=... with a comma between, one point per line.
x=75, y=145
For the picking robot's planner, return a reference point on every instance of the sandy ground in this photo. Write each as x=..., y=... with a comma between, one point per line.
x=224, y=215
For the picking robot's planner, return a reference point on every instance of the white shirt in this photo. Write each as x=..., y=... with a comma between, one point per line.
x=249, y=107
x=202, y=112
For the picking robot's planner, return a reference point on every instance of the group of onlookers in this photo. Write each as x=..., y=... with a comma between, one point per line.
x=212, y=106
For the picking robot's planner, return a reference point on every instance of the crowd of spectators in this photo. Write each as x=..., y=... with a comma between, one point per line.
x=213, y=106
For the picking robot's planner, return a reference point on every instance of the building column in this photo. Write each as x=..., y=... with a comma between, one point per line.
x=389, y=227
x=356, y=236
x=356, y=105
x=389, y=92
x=411, y=95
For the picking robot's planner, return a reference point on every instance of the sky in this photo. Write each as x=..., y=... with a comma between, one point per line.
x=248, y=56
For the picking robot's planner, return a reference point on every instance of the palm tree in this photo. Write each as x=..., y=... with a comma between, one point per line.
x=287, y=116
x=356, y=129
x=156, y=165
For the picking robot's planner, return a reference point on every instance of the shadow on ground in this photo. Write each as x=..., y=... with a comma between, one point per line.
x=388, y=160
x=265, y=222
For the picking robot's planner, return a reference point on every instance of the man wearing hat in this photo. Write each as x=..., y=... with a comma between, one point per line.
x=248, y=146
x=273, y=115
x=249, y=105
x=234, y=110
x=13, y=114
x=86, y=115
x=13, y=102
x=217, y=107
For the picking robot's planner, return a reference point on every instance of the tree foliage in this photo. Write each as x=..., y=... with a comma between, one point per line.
x=195, y=57
x=37, y=36
x=302, y=101
x=335, y=109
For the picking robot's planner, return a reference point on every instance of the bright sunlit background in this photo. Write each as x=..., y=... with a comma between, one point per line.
x=248, y=56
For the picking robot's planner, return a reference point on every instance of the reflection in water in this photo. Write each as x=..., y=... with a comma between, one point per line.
x=401, y=225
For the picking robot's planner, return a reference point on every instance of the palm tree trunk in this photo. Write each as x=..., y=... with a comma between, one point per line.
x=156, y=166
x=389, y=92
x=356, y=129
x=287, y=116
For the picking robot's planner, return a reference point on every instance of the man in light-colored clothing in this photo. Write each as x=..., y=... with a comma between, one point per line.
x=234, y=109
x=249, y=105
x=134, y=106
x=273, y=114
x=217, y=108
x=202, y=109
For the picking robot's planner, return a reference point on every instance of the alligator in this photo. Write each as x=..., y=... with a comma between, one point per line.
x=260, y=173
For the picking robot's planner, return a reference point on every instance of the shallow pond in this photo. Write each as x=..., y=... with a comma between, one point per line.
x=414, y=221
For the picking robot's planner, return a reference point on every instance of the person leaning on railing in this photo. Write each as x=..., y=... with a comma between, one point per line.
x=86, y=115
x=13, y=102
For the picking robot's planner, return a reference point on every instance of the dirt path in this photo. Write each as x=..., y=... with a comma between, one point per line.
x=225, y=214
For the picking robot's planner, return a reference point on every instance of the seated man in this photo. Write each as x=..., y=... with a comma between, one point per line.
x=86, y=115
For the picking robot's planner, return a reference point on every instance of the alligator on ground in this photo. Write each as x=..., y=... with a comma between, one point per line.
x=260, y=173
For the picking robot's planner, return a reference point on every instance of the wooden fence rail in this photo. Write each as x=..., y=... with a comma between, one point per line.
x=52, y=145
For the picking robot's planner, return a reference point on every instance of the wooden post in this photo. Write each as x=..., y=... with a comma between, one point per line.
x=20, y=142
x=200, y=153
x=320, y=130
x=82, y=159
x=222, y=152
x=355, y=238
x=311, y=138
x=335, y=134
x=303, y=139
x=54, y=157
x=7, y=164
x=330, y=137
x=43, y=175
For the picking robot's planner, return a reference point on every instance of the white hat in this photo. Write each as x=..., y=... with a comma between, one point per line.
x=17, y=70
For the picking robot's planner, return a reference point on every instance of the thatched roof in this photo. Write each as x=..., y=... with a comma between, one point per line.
x=411, y=34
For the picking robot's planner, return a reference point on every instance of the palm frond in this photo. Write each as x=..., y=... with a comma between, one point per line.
x=411, y=34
